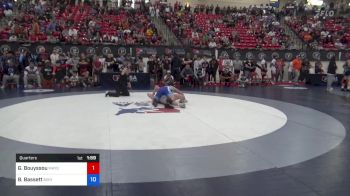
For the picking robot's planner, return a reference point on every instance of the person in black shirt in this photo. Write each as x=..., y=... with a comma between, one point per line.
x=332, y=67
x=212, y=69
x=226, y=76
x=151, y=64
x=122, y=84
x=10, y=71
x=110, y=62
x=47, y=73
x=176, y=64
x=305, y=67
x=318, y=67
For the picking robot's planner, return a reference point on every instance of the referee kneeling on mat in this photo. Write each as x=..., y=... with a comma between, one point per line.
x=122, y=84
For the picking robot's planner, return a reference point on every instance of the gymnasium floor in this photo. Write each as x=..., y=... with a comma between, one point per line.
x=258, y=141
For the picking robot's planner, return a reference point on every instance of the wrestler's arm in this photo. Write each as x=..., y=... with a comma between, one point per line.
x=176, y=90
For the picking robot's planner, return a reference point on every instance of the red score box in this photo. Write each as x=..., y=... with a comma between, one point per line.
x=93, y=168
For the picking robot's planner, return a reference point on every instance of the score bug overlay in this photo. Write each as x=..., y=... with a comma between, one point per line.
x=57, y=169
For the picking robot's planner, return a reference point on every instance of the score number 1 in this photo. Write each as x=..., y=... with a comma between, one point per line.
x=93, y=173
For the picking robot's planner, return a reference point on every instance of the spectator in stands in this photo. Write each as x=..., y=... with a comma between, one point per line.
x=31, y=72
x=238, y=66
x=140, y=65
x=10, y=73
x=279, y=70
x=226, y=76
x=176, y=64
x=318, y=67
x=263, y=68
x=110, y=63
x=75, y=80
x=331, y=71
x=305, y=70
x=84, y=70
x=199, y=74
x=96, y=69
x=296, y=64
x=54, y=57
x=187, y=75
x=168, y=79
x=47, y=73
x=212, y=69
x=345, y=85
x=287, y=71
x=197, y=62
x=248, y=69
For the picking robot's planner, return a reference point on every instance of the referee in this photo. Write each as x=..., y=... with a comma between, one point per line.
x=122, y=84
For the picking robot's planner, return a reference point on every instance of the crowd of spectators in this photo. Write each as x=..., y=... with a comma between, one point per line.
x=82, y=23
x=215, y=27
x=67, y=70
x=255, y=27
x=60, y=69
x=318, y=33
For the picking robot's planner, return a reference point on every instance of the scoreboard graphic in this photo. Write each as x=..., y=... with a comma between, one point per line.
x=57, y=169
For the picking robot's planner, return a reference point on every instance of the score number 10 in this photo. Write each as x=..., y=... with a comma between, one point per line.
x=93, y=173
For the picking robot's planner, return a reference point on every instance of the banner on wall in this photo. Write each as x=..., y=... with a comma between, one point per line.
x=144, y=51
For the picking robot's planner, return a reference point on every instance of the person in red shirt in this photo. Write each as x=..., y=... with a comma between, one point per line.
x=96, y=69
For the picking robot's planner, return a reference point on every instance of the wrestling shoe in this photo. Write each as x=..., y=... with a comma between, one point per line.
x=182, y=105
x=168, y=106
x=183, y=101
x=154, y=103
x=107, y=94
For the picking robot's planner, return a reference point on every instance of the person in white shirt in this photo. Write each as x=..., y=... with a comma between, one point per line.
x=212, y=44
x=8, y=13
x=72, y=32
x=263, y=66
x=168, y=79
x=54, y=57
x=13, y=38
x=197, y=62
x=199, y=74
x=31, y=72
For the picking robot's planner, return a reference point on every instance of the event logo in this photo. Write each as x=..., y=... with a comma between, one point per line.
x=122, y=51
x=74, y=50
x=288, y=56
x=275, y=55
x=179, y=51
x=58, y=49
x=5, y=48
x=140, y=108
x=106, y=50
x=90, y=50
x=249, y=55
x=139, y=51
x=206, y=52
x=316, y=55
x=330, y=55
x=237, y=55
x=168, y=51
x=224, y=54
x=261, y=55
x=302, y=55
x=40, y=49
x=195, y=51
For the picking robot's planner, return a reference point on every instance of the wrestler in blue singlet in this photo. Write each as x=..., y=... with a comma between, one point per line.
x=163, y=91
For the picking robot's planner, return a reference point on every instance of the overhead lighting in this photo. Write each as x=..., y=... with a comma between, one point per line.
x=315, y=2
